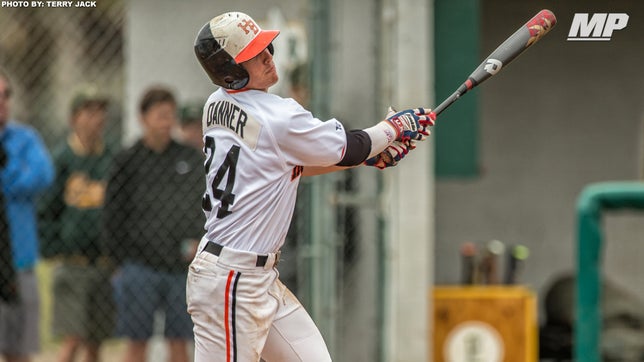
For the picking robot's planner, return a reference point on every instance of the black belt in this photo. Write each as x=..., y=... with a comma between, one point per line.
x=215, y=249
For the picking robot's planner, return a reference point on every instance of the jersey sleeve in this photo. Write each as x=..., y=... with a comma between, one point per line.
x=307, y=141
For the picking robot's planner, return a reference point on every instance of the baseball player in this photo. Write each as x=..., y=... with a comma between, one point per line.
x=258, y=146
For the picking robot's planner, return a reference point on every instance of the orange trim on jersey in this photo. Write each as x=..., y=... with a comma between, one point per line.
x=237, y=90
x=296, y=172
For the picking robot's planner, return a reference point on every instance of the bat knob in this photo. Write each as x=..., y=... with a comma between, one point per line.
x=520, y=252
x=496, y=247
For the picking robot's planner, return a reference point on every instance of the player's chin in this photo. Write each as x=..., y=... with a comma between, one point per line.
x=272, y=79
x=272, y=74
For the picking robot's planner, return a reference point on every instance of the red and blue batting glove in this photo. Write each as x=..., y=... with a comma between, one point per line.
x=391, y=155
x=410, y=124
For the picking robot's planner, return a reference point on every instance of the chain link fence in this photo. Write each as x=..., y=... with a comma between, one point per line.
x=51, y=54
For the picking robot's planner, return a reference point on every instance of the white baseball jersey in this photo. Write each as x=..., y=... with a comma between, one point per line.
x=256, y=145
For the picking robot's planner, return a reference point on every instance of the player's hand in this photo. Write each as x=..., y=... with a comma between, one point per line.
x=391, y=155
x=410, y=124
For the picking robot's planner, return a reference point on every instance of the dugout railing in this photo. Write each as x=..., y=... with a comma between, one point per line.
x=595, y=199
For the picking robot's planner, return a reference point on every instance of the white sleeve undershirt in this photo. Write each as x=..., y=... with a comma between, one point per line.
x=382, y=135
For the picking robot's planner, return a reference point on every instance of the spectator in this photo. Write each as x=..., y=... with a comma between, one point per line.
x=190, y=122
x=26, y=170
x=153, y=203
x=70, y=225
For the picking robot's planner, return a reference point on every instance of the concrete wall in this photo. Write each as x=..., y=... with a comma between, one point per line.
x=563, y=115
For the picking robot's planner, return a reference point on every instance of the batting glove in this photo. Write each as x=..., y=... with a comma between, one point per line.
x=391, y=155
x=410, y=124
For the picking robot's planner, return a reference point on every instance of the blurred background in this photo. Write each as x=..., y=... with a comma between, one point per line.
x=366, y=249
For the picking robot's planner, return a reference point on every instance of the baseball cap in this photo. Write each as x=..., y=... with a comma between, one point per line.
x=240, y=36
x=191, y=112
x=88, y=96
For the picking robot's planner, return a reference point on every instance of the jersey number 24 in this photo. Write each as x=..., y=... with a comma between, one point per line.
x=227, y=169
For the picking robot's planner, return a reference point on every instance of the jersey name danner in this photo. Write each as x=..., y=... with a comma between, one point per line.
x=230, y=116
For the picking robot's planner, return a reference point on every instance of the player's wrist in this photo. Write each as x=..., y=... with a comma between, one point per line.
x=394, y=129
x=382, y=135
x=396, y=124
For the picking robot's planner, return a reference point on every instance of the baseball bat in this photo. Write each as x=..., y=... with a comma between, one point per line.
x=468, y=256
x=517, y=257
x=505, y=53
x=490, y=263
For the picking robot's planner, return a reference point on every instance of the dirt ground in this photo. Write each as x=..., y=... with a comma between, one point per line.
x=111, y=352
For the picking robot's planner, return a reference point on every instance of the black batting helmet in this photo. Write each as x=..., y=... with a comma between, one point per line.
x=228, y=40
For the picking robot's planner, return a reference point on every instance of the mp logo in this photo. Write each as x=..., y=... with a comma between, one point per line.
x=599, y=27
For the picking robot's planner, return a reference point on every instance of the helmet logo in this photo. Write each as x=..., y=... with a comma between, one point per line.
x=247, y=26
x=221, y=41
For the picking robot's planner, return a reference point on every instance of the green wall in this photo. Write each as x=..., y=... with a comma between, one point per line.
x=457, y=55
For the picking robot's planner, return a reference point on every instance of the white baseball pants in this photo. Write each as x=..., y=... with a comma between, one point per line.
x=242, y=312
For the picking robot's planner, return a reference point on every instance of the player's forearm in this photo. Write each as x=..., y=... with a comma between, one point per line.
x=364, y=144
x=321, y=170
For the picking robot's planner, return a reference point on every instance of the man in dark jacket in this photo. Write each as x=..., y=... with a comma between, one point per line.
x=153, y=206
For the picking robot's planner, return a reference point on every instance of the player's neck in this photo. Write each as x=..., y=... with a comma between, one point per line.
x=245, y=89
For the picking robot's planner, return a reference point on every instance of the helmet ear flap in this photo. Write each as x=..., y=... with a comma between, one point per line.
x=218, y=64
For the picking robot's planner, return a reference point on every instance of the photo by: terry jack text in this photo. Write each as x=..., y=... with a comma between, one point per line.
x=48, y=4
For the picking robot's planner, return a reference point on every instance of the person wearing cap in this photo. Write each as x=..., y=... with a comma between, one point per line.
x=70, y=225
x=258, y=146
x=190, y=124
x=26, y=172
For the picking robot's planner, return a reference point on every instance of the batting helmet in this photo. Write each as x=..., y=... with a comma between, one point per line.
x=228, y=40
